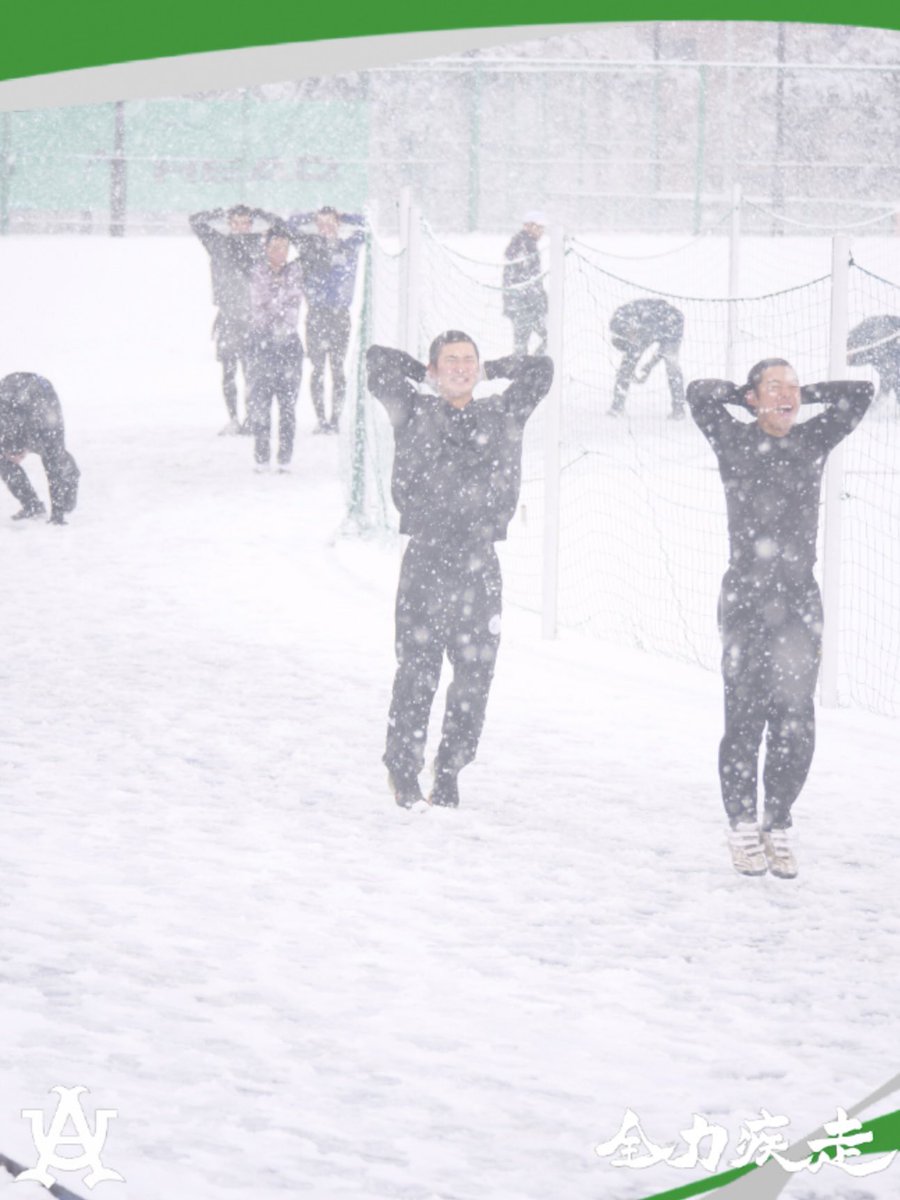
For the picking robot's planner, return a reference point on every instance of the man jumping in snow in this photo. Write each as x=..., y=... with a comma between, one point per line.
x=770, y=609
x=456, y=479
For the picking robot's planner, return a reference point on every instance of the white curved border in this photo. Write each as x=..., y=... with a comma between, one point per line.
x=255, y=64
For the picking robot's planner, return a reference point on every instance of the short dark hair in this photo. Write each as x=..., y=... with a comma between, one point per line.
x=755, y=374
x=277, y=231
x=327, y=210
x=448, y=338
x=240, y=210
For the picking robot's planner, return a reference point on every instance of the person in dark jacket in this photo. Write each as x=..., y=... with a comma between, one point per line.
x=875, y=342
x=275, y=352
x=770, y=609
x=456, y=479
x=635, y=328
x=329, y=277
x=31, y=422
x=233, y=257
x=524, y=298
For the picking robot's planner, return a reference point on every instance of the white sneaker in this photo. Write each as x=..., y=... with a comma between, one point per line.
x=261, y=468
x=233, y=426
x=748, y=856
x=779, y=855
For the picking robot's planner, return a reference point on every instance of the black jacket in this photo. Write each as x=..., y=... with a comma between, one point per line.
x=640, y=323
x=233, y=257
x=31, y=422
x=329, y=264
x=457, y=471
x=772, y=484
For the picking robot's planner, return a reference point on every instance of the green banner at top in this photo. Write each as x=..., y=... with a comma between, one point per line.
x=57, y=35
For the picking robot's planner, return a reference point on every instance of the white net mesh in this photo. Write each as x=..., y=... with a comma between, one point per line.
x=644, y=538
x=366, y=442
x=869, y=642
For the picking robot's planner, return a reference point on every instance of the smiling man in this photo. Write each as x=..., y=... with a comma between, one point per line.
x=456, y=478
x=770, y=609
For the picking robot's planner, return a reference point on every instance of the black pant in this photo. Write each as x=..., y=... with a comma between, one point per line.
x=448, y=600
x=625, y=376
x=525, y=322
x=19, y=484
x=232, y=345
x=327, y=337
x=275, y=374
x=771, y=646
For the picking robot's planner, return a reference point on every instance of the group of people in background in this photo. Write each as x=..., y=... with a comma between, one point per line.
x=650, y=330
x=638, y=327
x=258, y=289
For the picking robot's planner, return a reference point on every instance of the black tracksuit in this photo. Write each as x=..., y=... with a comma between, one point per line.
x=770, y=609
x=637, y=326
x=329, y=278
x=275, y=357
x=456, y=481
x=233, y=258
x=524, y=298
x=31, y=421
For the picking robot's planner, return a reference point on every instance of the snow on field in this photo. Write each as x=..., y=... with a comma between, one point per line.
x=217, y=920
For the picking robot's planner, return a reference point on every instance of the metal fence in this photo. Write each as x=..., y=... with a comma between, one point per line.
x=616, y=145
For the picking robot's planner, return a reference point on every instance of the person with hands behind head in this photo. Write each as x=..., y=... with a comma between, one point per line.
x=31, y=422
x=233, y=256
x=770, y=608
x=455, y=482
x=525, y=301
x=329, y=276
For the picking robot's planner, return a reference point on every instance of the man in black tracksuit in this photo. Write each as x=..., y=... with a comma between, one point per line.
x=524, y=298
x=770, y=609
x=329, y=277
x=275, y=352
x=637, y=326
x=456, y=479
x=31, y=422
x=233, y=258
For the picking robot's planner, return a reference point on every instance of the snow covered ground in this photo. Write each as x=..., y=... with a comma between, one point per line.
x=217, y=920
